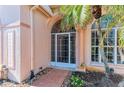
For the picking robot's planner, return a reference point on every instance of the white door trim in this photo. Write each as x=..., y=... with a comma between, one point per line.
x=60, y=64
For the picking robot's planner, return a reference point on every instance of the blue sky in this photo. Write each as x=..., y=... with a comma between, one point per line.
x=9, y=13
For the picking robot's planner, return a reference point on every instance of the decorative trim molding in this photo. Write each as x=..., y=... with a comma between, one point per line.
x=9, y=27
x=25, y=25
x=15, y=26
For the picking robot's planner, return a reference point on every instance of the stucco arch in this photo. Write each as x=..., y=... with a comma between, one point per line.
x=51, y=21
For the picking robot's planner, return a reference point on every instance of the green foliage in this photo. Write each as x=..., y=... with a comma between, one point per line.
x=76, y=81
x=81, y=16
x=83, y=65
x=75, y=15
x=117, y=12
x=121, y=38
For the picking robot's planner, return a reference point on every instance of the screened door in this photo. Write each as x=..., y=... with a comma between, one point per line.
x=63, y=49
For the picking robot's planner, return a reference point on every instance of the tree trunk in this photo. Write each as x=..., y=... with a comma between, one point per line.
x=101, y=47
x=121, y=55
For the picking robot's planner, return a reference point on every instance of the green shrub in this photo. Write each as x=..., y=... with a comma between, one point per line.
x=75, y=81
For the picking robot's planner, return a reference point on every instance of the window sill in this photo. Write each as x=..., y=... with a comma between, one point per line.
x=118, y=66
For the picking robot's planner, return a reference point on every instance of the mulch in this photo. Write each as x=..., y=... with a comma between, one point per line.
x=92, y=79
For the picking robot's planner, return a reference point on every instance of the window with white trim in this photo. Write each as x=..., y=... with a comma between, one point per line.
x=10, y=49
x=111, y=48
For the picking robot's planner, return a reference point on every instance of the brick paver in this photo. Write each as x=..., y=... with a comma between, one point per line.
x=53, y=78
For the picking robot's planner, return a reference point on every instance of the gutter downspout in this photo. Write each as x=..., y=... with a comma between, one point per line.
x=32, y=37
x=1, y=42
x=1, y=45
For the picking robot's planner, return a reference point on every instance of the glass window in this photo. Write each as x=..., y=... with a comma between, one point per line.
x=103, y=24
x=95, y=46
x=120, y=52
x=109, y=46
x=53, y=47
x=72, y=49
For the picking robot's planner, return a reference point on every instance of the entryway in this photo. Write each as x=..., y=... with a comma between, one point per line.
x=53, y=78
x=63, y=49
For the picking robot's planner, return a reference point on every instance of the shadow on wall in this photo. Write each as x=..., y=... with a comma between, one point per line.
x=13, y=77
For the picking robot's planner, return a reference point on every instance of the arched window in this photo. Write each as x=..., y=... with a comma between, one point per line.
x=63, y=46
x=103, y=24
x=57, y=28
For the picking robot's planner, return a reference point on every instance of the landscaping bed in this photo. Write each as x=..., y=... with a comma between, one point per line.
x=91, y=79
x=26, y=83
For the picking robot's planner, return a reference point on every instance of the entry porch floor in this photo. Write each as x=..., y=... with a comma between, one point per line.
x=54, y=78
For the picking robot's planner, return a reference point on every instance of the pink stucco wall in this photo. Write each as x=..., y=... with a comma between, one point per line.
x=42, y=38
x=25, y=42
x=1, y=47
x=14, y=69
x=41, y=41
x=42, y=26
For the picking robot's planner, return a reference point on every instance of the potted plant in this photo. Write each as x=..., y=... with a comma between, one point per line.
x=1, y=72
x=83, y=66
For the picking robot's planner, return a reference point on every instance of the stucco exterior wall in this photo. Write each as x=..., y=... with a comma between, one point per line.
x=81, y=47
x=84, y=46
x=25, y=37
x=14, y=73
x=77, y=49
x=11, y=48
x=87, y=45
x=41, y=41
x=42, y=26
x=0, y=46
x=42, y=38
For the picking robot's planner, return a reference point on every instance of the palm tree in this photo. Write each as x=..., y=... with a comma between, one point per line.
x=118, y=20
x=80, y=17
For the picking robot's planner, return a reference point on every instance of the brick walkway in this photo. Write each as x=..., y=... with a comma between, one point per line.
x=53, y=78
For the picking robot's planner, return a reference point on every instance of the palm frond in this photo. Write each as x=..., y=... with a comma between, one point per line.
x=85, y=15
x=75, y=15
x=117, y=12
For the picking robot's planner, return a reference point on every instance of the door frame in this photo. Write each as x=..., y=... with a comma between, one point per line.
x=60, y=64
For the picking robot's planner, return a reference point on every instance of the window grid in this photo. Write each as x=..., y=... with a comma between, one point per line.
x=111, y=47
x=63, y=49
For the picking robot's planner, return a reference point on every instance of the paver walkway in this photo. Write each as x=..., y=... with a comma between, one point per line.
x=53, y=78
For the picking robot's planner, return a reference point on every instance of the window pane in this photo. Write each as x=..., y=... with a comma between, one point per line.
x=109, y=54
x=111, y=38
x=94, y=38
x=103, y=24
x=62, y=48
x=105, y=42
x=120, y=56
x=53, y=48
x=72, y=49
x=93, y=42
x=93, y=34
x=95, y=54
x=109, y=43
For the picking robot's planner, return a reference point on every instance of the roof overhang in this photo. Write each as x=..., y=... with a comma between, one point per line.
x=46, y=10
